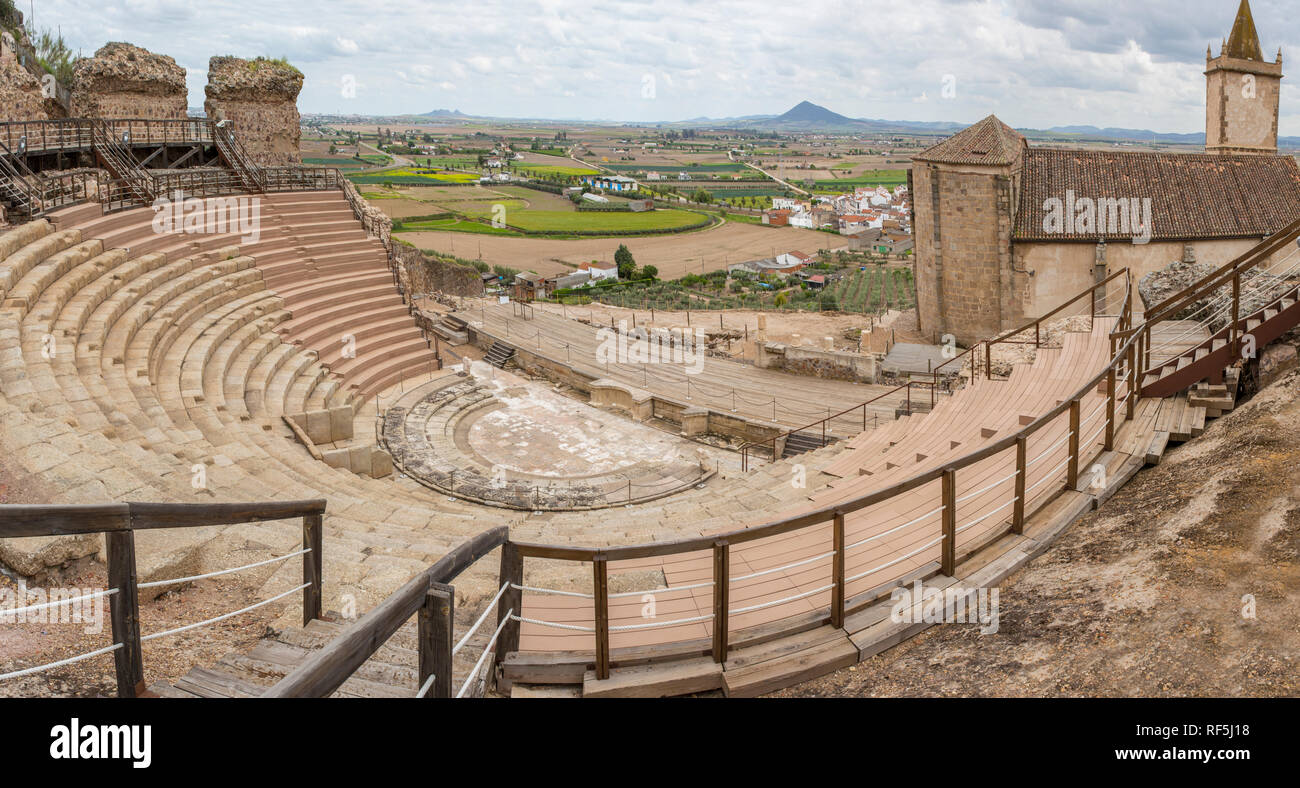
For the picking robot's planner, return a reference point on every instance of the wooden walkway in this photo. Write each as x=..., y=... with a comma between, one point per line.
x=788, y=576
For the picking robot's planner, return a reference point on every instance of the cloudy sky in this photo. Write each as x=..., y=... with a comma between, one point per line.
x=1036, y=63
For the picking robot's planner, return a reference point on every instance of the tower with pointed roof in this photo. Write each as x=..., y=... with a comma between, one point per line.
x=964, y=199
x=1242, y=92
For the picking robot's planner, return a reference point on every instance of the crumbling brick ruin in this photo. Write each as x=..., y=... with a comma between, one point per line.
x=260, y=97
x=125, y=81
x=20, y=90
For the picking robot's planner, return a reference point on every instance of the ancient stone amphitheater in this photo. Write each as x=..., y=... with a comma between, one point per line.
x=193, y=388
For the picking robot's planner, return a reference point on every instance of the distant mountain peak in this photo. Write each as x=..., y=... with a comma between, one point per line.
x=808, y=112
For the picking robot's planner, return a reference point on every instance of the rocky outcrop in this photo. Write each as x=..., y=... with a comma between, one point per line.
x=1258, y=289
x=260, y=99
x=21, y=97
x=125, y=81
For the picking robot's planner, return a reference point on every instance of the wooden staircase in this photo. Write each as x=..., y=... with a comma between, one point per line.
x=1208, y=360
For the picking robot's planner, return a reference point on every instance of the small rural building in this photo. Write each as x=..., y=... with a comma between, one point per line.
x=611, y=183
x=600, y=269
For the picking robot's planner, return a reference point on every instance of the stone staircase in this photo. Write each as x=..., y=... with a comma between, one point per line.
x=499, y=355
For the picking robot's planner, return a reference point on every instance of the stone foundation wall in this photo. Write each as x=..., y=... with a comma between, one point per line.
x=637, y=403
x=125, y=81
x=828, y=364
x=260, y=98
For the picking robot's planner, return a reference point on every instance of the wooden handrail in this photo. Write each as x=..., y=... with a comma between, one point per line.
x=327, y=669
x=720, y=544
x=1224, y=274
x=119, y=522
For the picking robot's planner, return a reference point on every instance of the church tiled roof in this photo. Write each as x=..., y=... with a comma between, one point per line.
x=1192, y=196
x=989, y=142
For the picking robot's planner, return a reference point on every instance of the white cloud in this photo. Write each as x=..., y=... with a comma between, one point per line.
x=1037, y=62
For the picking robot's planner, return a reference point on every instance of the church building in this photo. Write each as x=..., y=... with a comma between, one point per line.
x=1006, y=231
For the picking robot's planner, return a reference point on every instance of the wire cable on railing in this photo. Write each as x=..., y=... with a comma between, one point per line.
x=774, y=569
x=540, y=623
x=1050, y=475
x=883, y=534
x=13, y=614
x=656, y=624
x=424, y=688
x=900, y=559
x=1049, y=450
x=983, y=490
x=253, y=606
x=51, y=665
x=782, y=601
x=156, y=583
x=487, y=609
x=486, y=650
x=979, y=520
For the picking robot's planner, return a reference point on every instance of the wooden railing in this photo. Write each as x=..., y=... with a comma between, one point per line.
x=1120, y=369
x=66, y=134
x=936, y=374
x=1210, y=285
x=428, y=594
x=119, y=523
x=1037, y=323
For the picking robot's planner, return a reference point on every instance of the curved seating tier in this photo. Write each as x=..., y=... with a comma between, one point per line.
x=886, y=543
x=163, y=375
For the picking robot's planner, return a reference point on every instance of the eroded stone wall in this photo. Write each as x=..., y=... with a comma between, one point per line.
x=20, y=90
x=125, y=81
x=260, y=98
x=811, y=362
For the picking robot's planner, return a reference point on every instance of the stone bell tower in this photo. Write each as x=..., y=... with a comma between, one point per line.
x=1241, y=92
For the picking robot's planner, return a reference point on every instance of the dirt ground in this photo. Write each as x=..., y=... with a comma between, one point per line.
x=674, y=255
x=1150, y=595
x=49, y=639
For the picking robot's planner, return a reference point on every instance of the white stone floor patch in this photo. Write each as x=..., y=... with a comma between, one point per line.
x=539, y=432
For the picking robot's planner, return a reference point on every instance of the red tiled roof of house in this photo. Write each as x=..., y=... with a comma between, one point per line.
x=1192, y=196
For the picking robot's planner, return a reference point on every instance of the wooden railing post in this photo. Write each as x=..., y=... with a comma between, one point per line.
x=1018, y=508
x=124, y=612
x=1110, y=409
x=600, y=584
x=1234, y=334
x=721, y=599
x=948, y=547
x=313, y=563
x=1072, y=480
x=1131, y=404
x=436, y=631
x=837, y=571
x=512, y=572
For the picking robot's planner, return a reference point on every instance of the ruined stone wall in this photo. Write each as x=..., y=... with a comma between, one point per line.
x=827, y=364
x=20, y=91
x=430, y=275
x=260, y=98
x=125, y=81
